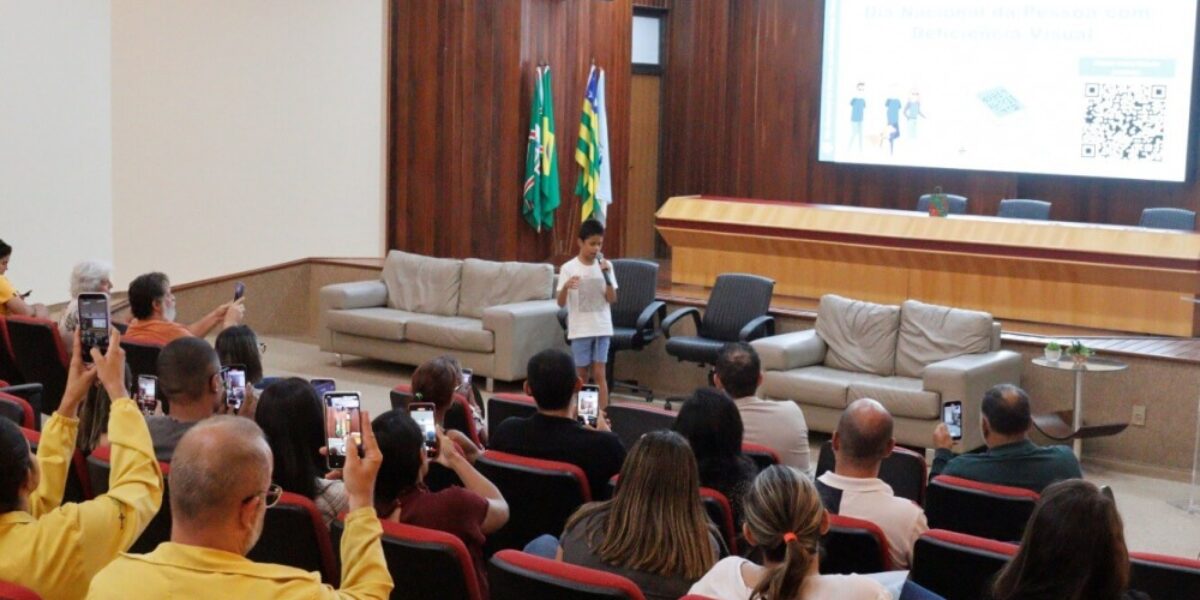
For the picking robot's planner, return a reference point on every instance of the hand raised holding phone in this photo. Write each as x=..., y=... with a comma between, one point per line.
x=360, y=472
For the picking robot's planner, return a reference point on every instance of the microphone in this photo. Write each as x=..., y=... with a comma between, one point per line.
x=603, y=271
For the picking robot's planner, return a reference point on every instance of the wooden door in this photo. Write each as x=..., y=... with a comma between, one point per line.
x=645, y=110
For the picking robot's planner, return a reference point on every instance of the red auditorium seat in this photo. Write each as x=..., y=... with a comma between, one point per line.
x=958, y=566
x=503, y=406
x=903, y=470
x=762, y=456
x=425, y=563
x=720, y=511
x=18, y=411
x=854, y=546
x=457, y=417
x=294, y=534
x=518, y=576
x=1165, y=577
x=99, y=465
x=630, y=421
x=79, y=486
x=998, y=512
x=31, y=393
x=40, y=356
x=12, y=591
x=8, y=363
x=541, y=495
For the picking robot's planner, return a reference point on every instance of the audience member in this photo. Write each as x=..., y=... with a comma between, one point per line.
x=776, y=424
x=238, y=345
x=189, y=375
x=89, y=276
x=467, y=389
x=654, y=531
x=586, y=287
x=220, y=491
x=862, y=440
x=56, y=549
x=1073, y=547
x=785, y=519
x=553, y=433
x=710, y=422
x=11, y=301
x=153, y=308
x=435, y=381
x=1011, y=458
x=469, y=512
x=293, y=420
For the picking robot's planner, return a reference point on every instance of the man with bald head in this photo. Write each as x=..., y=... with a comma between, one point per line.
x=220, y=489
x=853, y=488
x=1011, y=458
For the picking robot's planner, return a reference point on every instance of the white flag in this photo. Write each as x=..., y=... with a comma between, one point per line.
x=604, y=188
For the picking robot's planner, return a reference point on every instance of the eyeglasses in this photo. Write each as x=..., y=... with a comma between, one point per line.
x=270, y=496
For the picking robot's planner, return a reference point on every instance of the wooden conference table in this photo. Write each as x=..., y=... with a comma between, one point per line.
x=1100, y=276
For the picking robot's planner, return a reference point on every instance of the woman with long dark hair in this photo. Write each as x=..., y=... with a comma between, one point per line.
x=238, y=345
x=710, y=421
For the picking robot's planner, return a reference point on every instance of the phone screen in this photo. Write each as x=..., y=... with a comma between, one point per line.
x=239, y=290
x=589, y=404
x=93, y=323
x=342, y=418
x=422, y=413
x=146, y=393
x=323, y=386
x=235, y=386
x=466, y=379
x=952, y=416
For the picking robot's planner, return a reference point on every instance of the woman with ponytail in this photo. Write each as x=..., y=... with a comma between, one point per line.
x=784, y=517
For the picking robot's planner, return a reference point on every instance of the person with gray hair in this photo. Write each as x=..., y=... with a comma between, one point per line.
x=220, y=491
x=853, y=488
x=88, y=276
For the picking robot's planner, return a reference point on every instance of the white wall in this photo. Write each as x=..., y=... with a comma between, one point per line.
x=55, y=140
x=246, y=133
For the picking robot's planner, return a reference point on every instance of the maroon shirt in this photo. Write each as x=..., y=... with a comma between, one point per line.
x=454, y=510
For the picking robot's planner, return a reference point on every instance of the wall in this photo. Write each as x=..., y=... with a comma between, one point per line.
x=741, y=112
x=55, y=140
x=246, y=133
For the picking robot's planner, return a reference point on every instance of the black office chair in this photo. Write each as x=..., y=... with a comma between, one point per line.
x=633, y=316
x=957, y=205
x=736, y=311
x=1168, y=218
x=1037, y=210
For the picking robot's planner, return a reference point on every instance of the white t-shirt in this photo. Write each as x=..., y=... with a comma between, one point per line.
x=588, y=313
x=901, y=520
x=725, y=581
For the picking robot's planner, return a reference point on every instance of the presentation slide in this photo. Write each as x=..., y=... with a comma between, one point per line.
x=1098, y=88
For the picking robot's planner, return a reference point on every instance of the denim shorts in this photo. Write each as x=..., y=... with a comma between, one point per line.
x=588, y=350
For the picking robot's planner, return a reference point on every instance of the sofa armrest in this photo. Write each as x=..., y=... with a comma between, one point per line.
x=790, y=350
x=521, y=330
x=358, y=294
x=965, y=379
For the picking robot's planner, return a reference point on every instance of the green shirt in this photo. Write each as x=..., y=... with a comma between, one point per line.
x=1019, y=464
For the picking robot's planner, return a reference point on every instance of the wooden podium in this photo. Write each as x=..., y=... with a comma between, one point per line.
x=1098, y=276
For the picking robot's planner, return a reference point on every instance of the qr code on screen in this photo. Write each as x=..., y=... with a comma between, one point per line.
x=1123, y=121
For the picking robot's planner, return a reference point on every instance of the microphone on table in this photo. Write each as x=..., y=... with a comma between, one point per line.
x=603, y=271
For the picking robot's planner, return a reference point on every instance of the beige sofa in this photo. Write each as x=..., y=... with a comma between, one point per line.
x=912, y=358
x=492, y=316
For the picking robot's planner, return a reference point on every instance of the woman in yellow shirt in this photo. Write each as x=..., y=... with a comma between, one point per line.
x=56, y=550
x=12, y=303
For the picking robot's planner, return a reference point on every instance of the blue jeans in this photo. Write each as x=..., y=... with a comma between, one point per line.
x=545, y=546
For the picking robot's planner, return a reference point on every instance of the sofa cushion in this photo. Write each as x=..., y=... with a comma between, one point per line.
x=902, y=396
x=382, y=323
x=817, y=385
x=861, y=335
x=422, y=284
x=929, y=333
x=487, y=283
x=454, y=333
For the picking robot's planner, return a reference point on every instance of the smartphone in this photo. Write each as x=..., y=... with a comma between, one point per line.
x=239, y=290
x=235, y=385
x=93, y=323
x=952, y=417
x=422, y=413
x=323, y=386
x=342, y=418
x=589, y=404
x=465, y=385
x=147, y=388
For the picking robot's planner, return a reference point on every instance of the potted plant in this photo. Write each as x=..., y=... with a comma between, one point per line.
x=1079, y=353
x=1053, y=351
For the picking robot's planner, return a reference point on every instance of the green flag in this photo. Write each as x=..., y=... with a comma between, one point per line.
x=541, y=195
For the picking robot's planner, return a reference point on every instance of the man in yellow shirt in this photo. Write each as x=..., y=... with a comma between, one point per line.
x=153, y=308
x=56, y=550
x=220, y=491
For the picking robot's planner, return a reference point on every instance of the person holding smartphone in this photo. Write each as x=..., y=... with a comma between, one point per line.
x=11, y=302
x=153, y=308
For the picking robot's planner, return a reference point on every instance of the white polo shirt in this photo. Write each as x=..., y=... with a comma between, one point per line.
x=778, y=425
x=901, y=520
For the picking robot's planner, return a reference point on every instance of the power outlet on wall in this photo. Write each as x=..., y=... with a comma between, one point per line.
x=1139, y=415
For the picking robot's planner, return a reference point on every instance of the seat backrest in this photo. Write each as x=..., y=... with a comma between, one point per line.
x=425, y=563
x=903, y=470
x=630, y=421
x=541, y=494
x=40, y=356
x=638, y=280
x=503, y=406
x=99, y=466
x=8, y=364
x=294, y=534
x=762, y=456
x=958, y=566
x=1168, y=218
x=12, y=591
x=854, y=546
x=1024, y=209
x=955, y=204
x=997, y=512
x=141, y=357
x=736, y=299
x=720, y=512
x=78, y=488
x=519, y=576
x=18, y=411
x=1165, y=577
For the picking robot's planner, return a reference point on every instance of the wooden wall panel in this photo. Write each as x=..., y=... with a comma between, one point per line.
x=741, y=109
